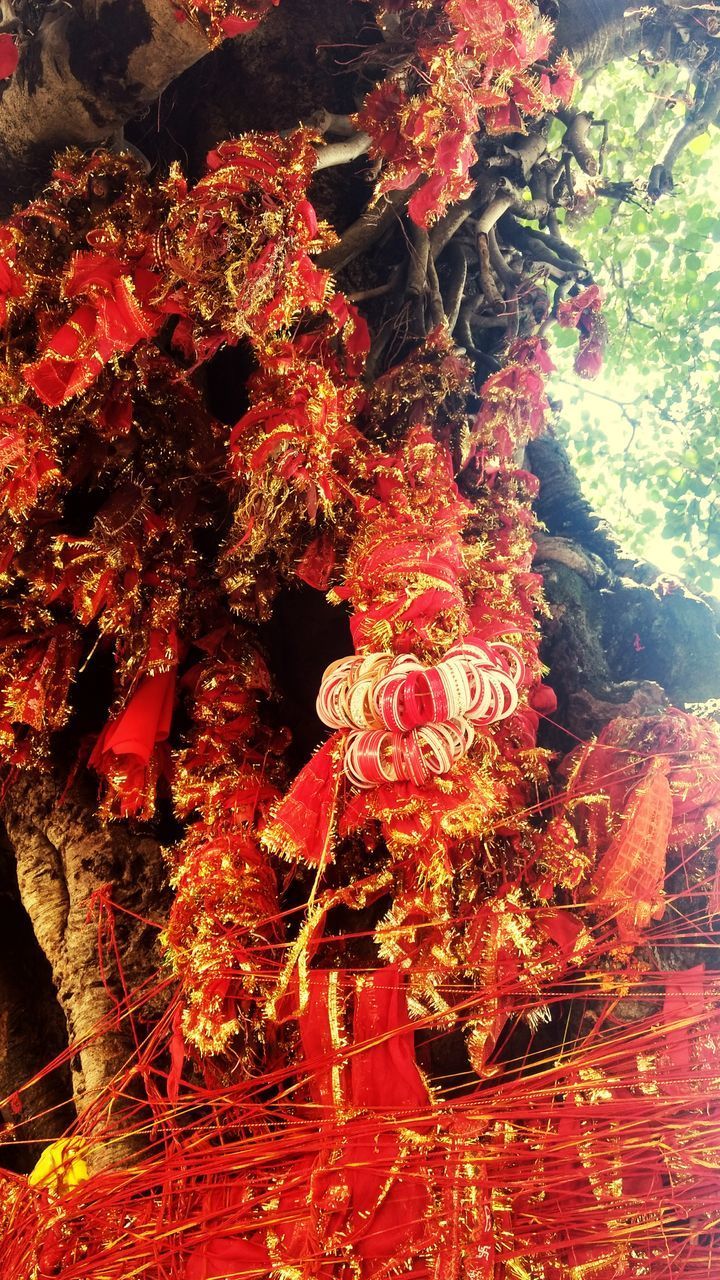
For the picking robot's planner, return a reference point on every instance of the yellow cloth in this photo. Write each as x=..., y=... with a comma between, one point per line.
x=61, y=1166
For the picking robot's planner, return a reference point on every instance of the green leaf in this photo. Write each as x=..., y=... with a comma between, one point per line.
x=565, y=337
x=700, y=145
x=694, y=242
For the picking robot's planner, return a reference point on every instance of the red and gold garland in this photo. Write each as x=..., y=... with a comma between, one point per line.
x=465, y=62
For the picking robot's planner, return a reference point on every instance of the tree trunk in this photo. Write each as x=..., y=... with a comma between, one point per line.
x=33, y=1033
x=68, y=863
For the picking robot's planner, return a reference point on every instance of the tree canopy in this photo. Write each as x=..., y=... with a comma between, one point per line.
x=644, y=436
x=360, y=792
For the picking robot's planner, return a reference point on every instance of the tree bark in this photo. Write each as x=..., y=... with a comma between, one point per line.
x=597, y=31
x=65, y=855
x=33, y=1034
x=86, y=71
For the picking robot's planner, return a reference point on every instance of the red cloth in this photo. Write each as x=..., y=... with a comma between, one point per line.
x=316, y=565
x=359, y=1182
x=303, y=822
x=126, y=750
x=115, y=316
x=144, y=722
x=385, y=1075
x=9, y=56
x=228, y=1257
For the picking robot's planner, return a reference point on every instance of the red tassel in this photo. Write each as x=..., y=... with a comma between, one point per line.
x=630, y=875
x=303, y=825
x=116, y=315
x=125, y=749
x=317, y=564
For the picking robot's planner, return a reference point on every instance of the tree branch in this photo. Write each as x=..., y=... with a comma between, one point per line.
x=579, y=124
x=335, y=153
x=661, y=176
x=369, y=227
x=597, y=31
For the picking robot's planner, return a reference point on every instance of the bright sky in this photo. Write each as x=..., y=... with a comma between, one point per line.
x=610, y=427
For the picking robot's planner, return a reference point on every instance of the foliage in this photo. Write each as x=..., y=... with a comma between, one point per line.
x=644, y=436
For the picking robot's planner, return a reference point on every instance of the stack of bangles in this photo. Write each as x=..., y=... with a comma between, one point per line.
x=407, y=721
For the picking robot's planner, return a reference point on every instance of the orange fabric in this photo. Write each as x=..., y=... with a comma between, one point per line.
x=630, y=875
